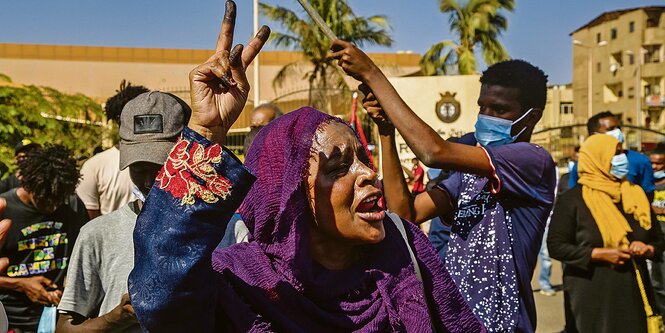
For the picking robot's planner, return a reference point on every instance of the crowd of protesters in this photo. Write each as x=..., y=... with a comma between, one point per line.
x=169, y=231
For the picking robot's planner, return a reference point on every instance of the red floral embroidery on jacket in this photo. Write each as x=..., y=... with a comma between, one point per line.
x=188, y=173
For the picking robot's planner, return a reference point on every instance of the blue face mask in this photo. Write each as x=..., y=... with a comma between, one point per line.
x=571, y=164
x=619, y=166
x=659, y=174
x=493, y=131
x=617, y=134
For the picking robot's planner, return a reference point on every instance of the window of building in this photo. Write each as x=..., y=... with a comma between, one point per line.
x=612, y=92
x=598, y=67
x=631, y=59
x=653, y=18
x=652, y=86
x=617, y=59
x=631, y=92
x=651, y=53
x=566, y=108
x=613, y=33
x=598, y=39
x=631, y=26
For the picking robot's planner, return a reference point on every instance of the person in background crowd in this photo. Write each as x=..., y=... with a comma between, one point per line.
x=104, y=188
x=236, y=230
x=439, y=233
x=564, y=180
x=95, y=297
x=5, y=225
x=657, y=158
x=323, y=256
x=46, y=217
x=263, y=114
x=603, y=230
x=499, y=200
x=20, y=151
x=418, y=177
x=640, y=170
x=545, y=274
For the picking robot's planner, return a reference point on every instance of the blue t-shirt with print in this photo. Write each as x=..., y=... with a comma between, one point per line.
x=497, y=233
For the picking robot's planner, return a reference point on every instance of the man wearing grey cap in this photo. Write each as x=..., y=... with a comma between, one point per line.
x=104, y=252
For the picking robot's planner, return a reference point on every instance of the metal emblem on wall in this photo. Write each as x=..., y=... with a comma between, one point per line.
x=448, y=108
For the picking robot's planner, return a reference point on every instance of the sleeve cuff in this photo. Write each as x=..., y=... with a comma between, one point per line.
x=495, y=182
x=199, y=169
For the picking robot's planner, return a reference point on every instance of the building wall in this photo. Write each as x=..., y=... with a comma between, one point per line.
x=98, y=71
x=559, y=110
x=618, y=85
x=553, y=131
x=422, y=95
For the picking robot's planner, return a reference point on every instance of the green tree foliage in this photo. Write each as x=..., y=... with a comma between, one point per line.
x=477, y=24
x=302, y=34
x=45, y=115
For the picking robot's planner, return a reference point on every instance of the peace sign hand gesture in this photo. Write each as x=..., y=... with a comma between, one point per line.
x=219, y=87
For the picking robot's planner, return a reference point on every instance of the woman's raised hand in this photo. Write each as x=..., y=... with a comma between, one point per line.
x=219, y=87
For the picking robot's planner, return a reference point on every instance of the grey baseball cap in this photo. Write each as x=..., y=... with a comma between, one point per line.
x=150, y=124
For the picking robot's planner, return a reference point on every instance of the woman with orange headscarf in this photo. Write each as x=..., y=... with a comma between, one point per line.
x=601, y=230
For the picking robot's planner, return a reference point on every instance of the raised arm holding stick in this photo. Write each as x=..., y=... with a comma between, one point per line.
x=498, y=201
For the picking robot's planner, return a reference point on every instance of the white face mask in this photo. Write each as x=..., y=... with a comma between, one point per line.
x=617, y=134
x=137, y=193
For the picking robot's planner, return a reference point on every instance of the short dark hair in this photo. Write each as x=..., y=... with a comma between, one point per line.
x=530, y=80
x=660, y=149
x=593, y=124
x=49, y=173
x=126, y=93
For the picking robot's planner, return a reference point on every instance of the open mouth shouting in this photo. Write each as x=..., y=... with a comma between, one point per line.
x=369, y=208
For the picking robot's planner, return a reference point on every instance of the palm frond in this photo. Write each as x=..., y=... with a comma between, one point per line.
x=436, y=59
x=300, y=33
x=477, y=24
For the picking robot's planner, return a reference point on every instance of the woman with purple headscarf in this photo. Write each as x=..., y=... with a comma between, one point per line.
x=323, y=255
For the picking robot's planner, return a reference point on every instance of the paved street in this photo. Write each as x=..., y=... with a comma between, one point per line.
x=549, y=308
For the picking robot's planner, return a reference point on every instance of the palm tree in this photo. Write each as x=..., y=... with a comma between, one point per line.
x=303, y=35
x=477, y=23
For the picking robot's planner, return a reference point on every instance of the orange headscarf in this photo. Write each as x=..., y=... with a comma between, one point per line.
x=601, y=191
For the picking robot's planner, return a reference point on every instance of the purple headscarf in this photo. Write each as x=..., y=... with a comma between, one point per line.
x=279, y=287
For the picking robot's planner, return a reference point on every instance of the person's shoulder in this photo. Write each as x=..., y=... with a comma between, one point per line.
x=635, y=156
x=105, y=223
x=8, y=193
x=525, y=151
x=102, y=159
x=571, y=194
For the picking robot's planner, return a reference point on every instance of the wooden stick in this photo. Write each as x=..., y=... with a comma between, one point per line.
x=318, y=19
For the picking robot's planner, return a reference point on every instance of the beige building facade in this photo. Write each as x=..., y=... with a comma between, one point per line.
x=557, y=130
x=97, y=71
x=448, y=104
x=618, y=65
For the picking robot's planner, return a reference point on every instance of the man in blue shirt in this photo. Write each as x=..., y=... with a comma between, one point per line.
x=640, y=171
x=498, y=200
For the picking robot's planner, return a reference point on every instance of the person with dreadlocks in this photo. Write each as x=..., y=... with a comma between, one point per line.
x=104, y=187
x=46, y=217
